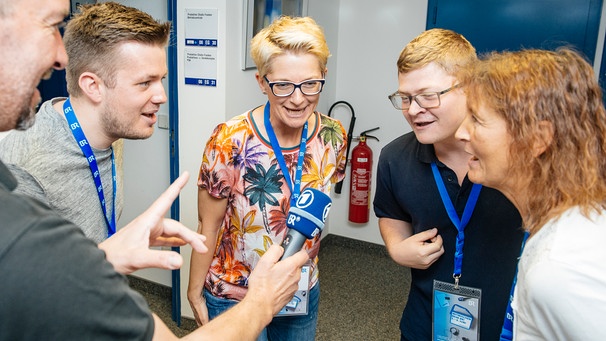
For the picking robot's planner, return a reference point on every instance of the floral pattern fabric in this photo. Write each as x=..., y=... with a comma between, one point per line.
x=240, y=165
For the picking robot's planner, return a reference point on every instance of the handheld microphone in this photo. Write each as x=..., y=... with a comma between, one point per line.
x=305, y=220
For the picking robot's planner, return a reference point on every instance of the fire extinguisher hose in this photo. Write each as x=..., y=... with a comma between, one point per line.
x=352, y=122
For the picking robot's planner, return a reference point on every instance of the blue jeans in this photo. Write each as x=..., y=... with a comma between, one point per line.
x=281, y=328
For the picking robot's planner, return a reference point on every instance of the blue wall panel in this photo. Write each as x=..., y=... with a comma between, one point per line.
x=516, y=24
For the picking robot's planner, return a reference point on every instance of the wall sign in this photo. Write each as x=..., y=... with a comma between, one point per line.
x=201, y=38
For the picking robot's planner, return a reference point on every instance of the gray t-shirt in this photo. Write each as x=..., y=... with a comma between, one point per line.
x=49, y=166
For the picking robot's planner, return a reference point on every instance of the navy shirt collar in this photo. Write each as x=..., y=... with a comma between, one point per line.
x=427, y=154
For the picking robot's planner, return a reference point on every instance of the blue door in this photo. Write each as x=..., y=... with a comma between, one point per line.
x=516, y=24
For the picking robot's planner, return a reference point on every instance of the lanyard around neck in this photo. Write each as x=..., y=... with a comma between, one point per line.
x=82, y=141
x=295, y=187
x=460, y=224
x=507, y=331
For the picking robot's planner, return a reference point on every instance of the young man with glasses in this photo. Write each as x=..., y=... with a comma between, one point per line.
x=460, y=240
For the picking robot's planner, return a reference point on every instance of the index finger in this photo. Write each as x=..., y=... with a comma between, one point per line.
x=175, y=232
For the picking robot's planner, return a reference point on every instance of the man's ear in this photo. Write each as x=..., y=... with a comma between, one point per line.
x=545, y=132
x=91, y=86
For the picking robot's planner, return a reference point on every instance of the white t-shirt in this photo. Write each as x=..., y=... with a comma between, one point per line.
x=561, y=289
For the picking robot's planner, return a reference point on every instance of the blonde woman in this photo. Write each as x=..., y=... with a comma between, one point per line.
x=255, y=164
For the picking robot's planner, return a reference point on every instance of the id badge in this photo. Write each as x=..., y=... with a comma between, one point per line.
x=299, y=303
x=456, y=312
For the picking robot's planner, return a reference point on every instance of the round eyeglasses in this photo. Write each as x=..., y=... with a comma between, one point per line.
x=426, y=100
x=284, y=89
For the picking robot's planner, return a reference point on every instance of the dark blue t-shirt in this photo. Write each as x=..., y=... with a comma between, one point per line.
x=406, y=190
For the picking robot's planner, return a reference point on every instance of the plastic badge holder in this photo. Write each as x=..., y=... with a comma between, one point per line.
x=300, y=302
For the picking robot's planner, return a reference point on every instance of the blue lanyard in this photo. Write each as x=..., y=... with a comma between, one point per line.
x=454, y=217
x=295, y=187
x=72, y=120
x=507, y=331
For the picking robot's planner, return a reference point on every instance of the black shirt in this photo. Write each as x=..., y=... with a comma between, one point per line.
x=406, y=190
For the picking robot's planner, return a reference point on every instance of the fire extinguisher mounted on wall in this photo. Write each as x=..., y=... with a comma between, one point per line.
x=360, y=180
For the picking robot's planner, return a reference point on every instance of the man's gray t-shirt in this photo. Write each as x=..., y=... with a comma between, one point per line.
x=49, y=166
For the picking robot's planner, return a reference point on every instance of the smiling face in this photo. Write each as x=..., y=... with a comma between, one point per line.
x=434, y=125
x=289, y=114
x=31, y=48
x=129, y=108
x=488, y=141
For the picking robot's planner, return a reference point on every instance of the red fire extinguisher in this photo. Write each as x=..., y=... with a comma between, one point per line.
x=361, y=174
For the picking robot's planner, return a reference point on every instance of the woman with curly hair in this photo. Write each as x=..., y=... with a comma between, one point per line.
x=536, y=130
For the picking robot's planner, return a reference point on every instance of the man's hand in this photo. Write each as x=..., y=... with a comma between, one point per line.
x=422, y=249
x=129, y=249
x=273, y=283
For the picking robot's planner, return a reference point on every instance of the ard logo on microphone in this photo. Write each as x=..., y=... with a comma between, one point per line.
x=306, y=199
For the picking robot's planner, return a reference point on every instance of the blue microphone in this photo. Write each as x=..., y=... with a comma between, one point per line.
x=305, y=220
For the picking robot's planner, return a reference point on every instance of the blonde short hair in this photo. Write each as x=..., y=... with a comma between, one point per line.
x=448, y=49
x=288, y=35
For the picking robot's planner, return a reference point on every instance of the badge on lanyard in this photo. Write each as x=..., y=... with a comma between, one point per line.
x=456, y=308
x=299, y=305
x=456, y=312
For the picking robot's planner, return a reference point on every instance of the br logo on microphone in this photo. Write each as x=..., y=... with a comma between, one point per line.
x=292, y=219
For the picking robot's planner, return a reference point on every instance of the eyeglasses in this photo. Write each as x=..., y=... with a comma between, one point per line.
x=426, y=100
x=285, y=89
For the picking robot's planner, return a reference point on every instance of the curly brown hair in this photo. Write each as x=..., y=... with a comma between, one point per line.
x=559, y=87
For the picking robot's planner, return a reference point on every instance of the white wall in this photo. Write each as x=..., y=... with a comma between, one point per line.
x=200, y=110
x=371, y=36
